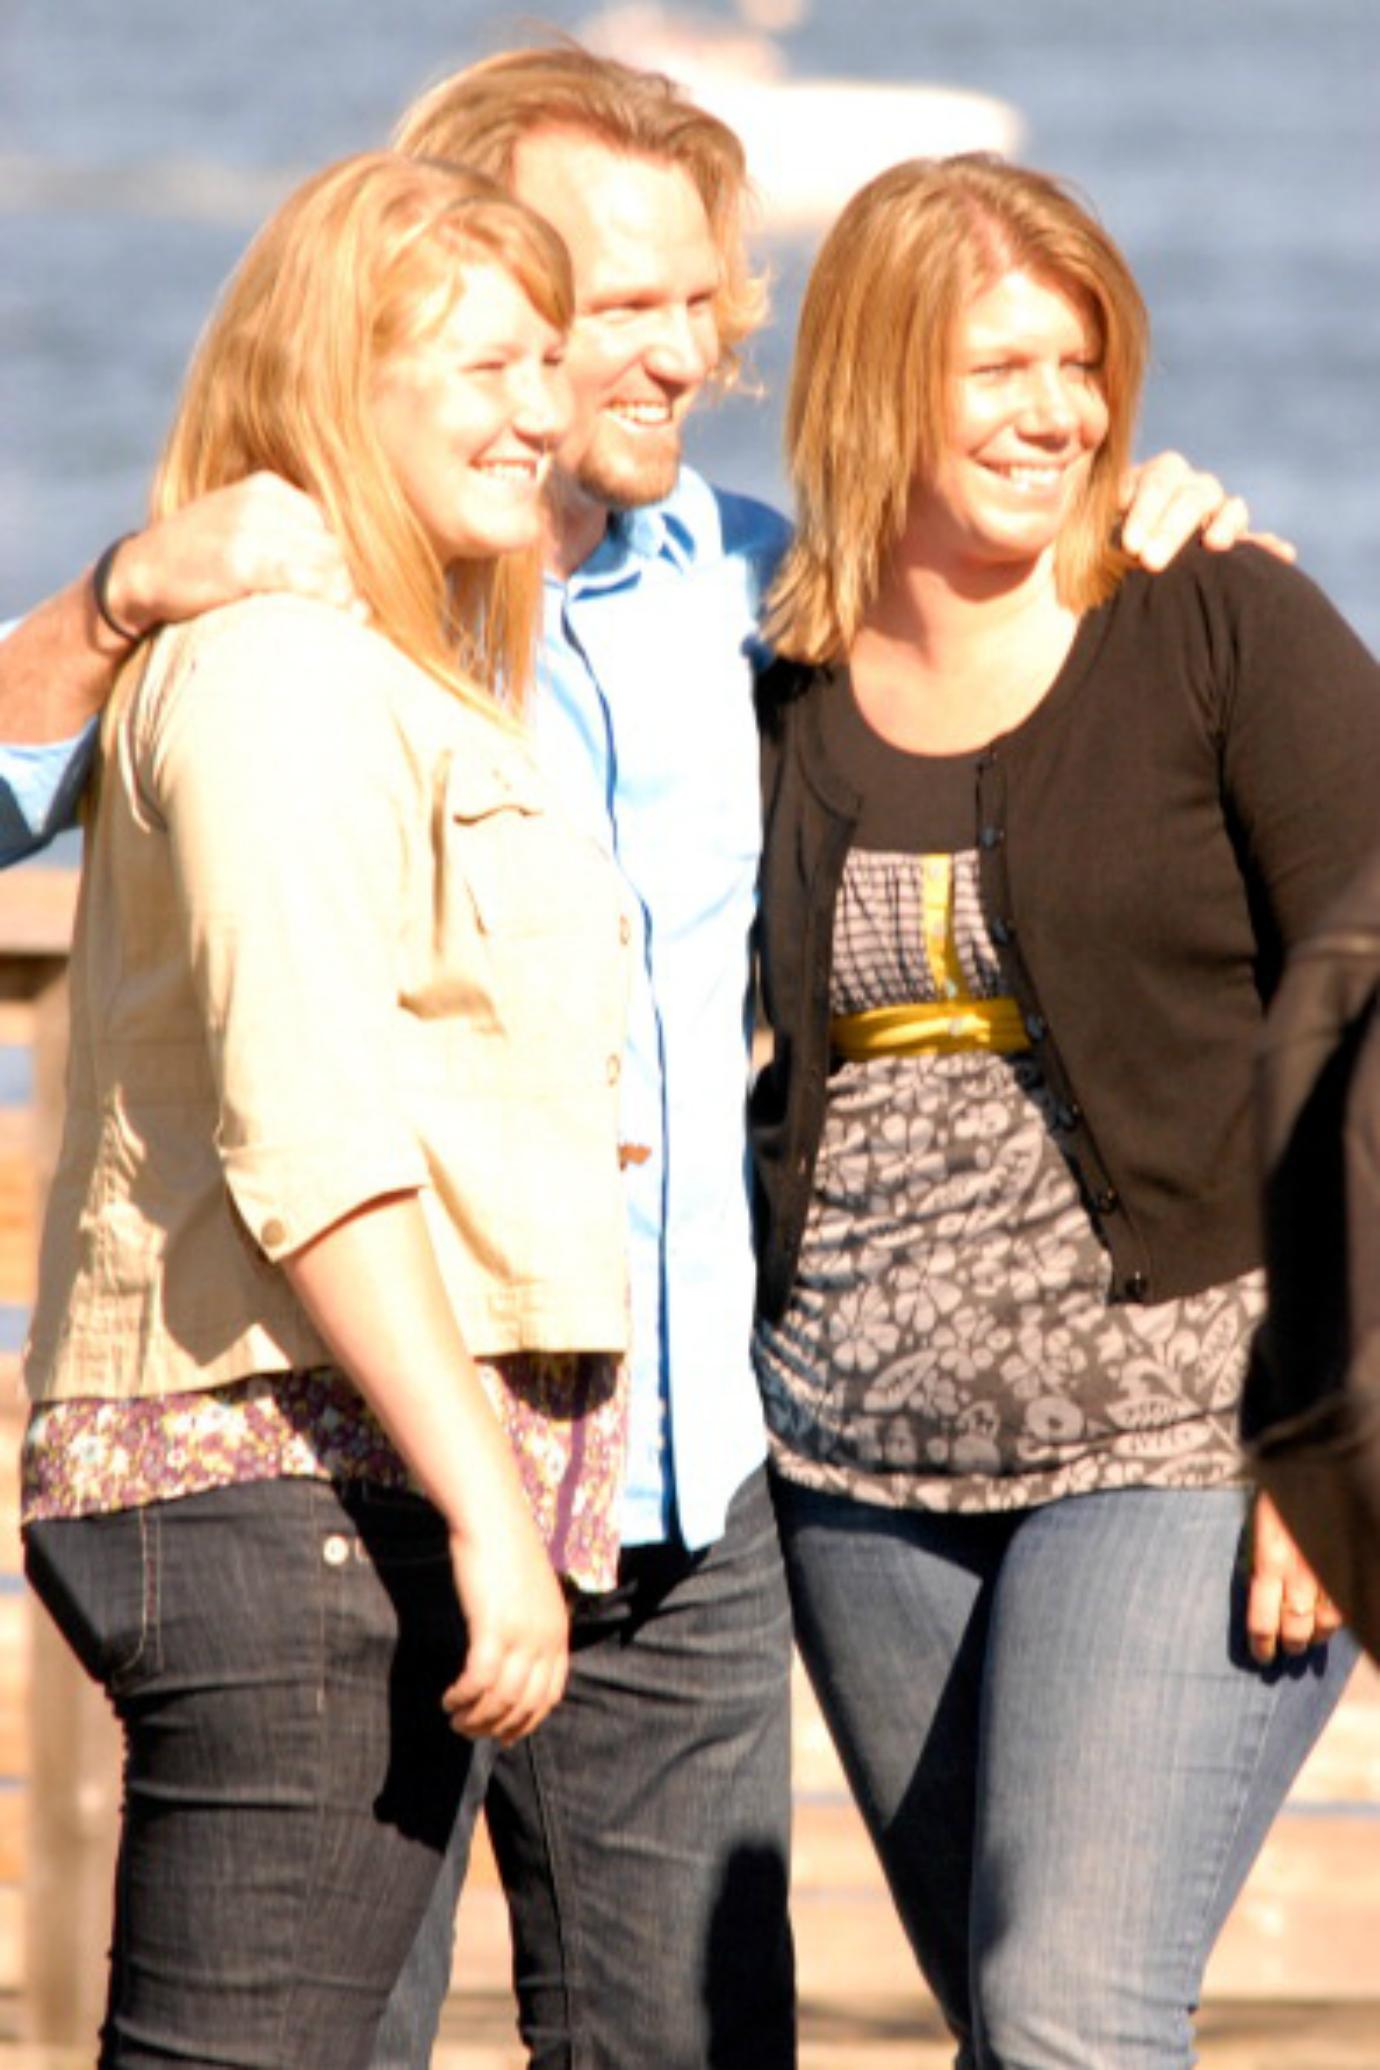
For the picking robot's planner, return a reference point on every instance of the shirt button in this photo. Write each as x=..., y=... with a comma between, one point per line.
x=614, y=1069
x=273, y=1232
x=335, y=1550
x=1106, y=1200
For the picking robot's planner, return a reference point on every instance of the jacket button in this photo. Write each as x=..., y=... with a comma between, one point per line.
x=273, y=1232
x=1002, y=931
x=1106, y=1200
x=1137, y=1286
x=992, y=837
x=1036, y=1027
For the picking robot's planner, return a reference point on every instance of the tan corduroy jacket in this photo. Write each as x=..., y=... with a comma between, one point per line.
x=332, y=944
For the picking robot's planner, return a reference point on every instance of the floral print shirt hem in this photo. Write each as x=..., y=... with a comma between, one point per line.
x=564, y=1413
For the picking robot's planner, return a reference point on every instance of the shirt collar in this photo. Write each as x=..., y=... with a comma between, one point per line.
x=681, y=529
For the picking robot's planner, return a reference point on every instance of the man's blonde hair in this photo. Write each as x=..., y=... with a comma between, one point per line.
x=869, y=407
x=361, y=260
x=480, y=116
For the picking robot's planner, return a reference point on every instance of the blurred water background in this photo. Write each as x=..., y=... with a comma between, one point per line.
x=1233, y=146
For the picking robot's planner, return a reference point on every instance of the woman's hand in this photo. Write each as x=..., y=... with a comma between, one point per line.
x=518, y=1626
x=1167, y=502
x=1286, y=1607
x=372, y=1286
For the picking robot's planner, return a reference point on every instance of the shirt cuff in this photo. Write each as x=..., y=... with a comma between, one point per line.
x=287, y=1195
x=40, y=787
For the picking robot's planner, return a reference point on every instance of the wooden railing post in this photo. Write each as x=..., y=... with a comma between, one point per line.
x=74, y=1764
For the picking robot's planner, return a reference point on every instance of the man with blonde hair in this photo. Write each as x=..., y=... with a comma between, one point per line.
x=642, y=1833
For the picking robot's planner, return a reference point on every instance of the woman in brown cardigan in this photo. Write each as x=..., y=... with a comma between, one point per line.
x=1039, y=829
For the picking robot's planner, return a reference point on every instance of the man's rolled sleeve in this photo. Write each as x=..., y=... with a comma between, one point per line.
x=270, y=751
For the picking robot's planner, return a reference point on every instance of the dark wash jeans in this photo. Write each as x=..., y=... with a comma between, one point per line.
x=276, y=1655
x=643, y=1831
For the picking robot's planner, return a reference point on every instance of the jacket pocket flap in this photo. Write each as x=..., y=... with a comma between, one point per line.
x=477, y=788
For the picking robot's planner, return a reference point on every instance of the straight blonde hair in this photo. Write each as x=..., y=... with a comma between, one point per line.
x=869, y=411
x=481, y=115
x=361, y=260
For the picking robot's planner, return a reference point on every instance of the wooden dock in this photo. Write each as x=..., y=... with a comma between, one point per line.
x=1295, y=1983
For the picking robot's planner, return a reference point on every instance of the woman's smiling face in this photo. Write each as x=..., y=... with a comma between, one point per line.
x=1027, y=415
x=467, y=415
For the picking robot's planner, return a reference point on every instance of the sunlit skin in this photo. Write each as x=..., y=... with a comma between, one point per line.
x=645, y=337
x=468, y=415
x=967, y=631
x=1027, y=417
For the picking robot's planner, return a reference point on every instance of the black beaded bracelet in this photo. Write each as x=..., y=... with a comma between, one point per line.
x=100, y=581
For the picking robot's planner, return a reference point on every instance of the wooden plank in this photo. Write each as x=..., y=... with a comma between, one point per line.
x=14, y=1688
x=73, y=1807
x=16, y=1014
x=74, y=1773
x=13, y=1812
x=1344, y=1766
x=18, y=1213
x=37, y=908
x=1304, y=1927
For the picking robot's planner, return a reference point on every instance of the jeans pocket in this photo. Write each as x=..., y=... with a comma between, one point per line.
x=97, y=1577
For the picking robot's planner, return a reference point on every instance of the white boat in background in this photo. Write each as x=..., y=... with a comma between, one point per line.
x=810, y=142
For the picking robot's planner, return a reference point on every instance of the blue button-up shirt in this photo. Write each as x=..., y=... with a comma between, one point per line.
x=643, y=720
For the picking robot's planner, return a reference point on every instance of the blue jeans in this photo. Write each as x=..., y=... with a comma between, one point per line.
x=643, y=1832
x=276, y=1655
x=1063, y=1753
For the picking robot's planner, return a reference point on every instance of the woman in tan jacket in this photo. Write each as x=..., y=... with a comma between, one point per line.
x=326, y=1357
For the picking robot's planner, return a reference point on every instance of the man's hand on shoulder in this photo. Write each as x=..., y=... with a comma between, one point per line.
x=58, y=665
x=259, y=534
x=1166, y=502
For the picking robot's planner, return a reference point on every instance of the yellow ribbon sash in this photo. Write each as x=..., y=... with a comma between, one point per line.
x=941, y=1026
x=957, y=1021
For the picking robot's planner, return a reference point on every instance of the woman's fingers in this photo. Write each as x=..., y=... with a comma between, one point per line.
x=1287, y=1609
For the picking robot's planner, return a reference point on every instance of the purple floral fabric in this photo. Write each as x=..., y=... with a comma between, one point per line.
x=564, y=1413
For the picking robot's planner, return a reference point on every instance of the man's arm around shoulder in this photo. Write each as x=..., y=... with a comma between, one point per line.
x=58, y=665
